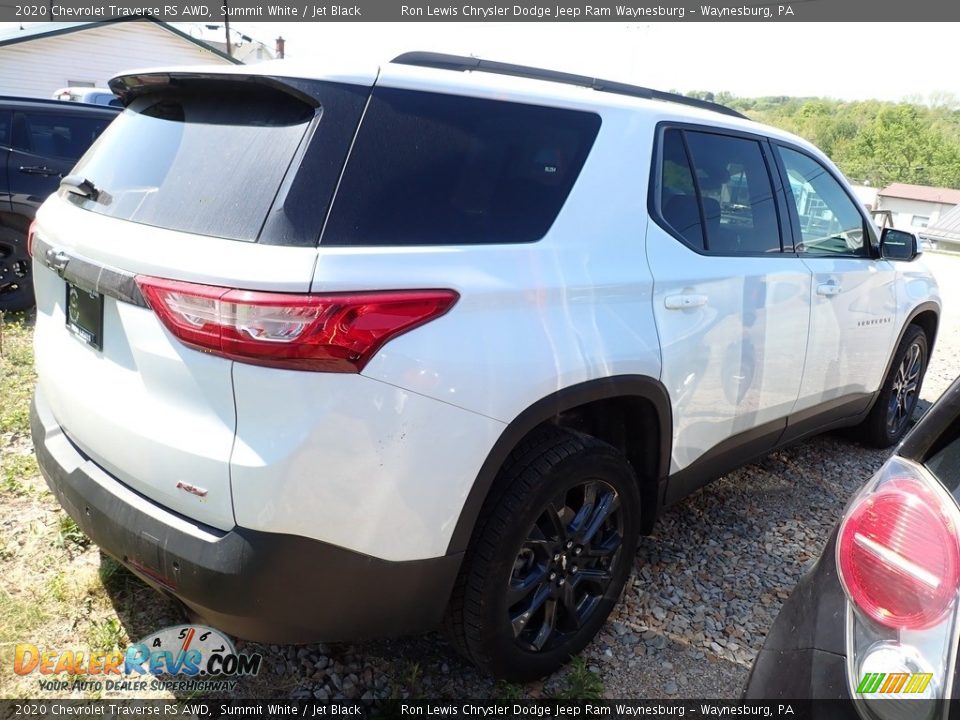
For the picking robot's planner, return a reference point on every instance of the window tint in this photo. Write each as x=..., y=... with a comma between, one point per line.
x=5, y=119
x=207, y=159
x=829, y=221
x=678, y=195
x=63, y=136
x=716, y=193
x=736, y=196
x=432, y=169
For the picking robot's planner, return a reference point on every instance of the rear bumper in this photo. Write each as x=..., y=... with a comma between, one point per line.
x=262, y=586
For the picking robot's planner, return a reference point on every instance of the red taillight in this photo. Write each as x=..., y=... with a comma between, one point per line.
x=336, y=332
x=898, y=555
x=30, y=233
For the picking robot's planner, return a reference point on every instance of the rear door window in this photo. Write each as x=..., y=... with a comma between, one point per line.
x=56, y=135
x=5, y=126
x=716, y=194
x=433, y=169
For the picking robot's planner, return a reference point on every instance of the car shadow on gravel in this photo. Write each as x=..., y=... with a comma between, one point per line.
x=719, y=565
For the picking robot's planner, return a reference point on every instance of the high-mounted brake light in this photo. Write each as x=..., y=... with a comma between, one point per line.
x=335, y=332
x=30, y=233
x=899, y=554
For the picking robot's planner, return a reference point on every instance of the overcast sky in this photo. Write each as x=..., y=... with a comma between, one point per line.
x=840, y=60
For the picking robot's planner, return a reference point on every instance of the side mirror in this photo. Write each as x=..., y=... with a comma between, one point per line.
x=897, y=244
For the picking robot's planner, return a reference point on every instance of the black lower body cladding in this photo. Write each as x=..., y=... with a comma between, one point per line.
x=267, y=587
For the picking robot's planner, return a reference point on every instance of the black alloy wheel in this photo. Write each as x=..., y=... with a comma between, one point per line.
x=550, y=554
x=16, y=283
x=906, y=388
x=565, y=565
x=889, y=419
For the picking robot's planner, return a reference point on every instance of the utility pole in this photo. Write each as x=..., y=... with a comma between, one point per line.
x=226, y=27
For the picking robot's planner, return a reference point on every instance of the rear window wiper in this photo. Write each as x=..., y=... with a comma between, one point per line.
x=79, y=185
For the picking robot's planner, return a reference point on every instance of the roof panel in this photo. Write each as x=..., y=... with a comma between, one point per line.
x=924, y=193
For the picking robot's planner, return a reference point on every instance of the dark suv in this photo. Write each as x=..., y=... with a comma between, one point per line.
x=40, y=141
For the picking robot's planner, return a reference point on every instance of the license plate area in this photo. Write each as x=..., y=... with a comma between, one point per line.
x=85, y=315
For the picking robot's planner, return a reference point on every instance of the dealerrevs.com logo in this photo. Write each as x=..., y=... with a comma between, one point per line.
x=899, y=683
x=182, y=657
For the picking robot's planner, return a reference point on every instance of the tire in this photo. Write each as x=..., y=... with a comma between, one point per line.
x=16, y=280
x=562, y=559
x=889, y=418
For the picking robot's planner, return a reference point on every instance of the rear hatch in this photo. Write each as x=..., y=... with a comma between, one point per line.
x=220, y=180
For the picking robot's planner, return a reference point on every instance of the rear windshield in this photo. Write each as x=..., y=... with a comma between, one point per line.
x=208, y=160
x=433, y=169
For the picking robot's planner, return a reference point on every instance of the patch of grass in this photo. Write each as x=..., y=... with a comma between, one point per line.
x=106, y=635
x=113, y=576
x=504, y=690
x=57, y=587
x=16, y=372
x=15, y=469
x=69, y=534
x=18, y=619
x=409, y=679
x=582, y=684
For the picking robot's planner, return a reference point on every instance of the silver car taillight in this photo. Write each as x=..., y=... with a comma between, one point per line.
x=898, y=557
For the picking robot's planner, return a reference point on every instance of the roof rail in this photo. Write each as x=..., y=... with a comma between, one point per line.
x=63, y=104
x=462, y=64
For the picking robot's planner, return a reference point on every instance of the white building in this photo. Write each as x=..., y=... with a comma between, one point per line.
x=866, y=194
x=945, y=233
x=914, y=207
x=40, y=59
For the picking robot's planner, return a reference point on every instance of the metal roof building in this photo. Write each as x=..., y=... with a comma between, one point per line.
x=946, y=231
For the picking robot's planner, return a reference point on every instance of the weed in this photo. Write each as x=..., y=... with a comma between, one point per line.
x=582, y=684
x=18, y=619
x=70, y=534
x=409, y=681
x=57, y=586
x=15, y=469
x=504, y=690
x=106, y=635
x=114, y=577
x=16, y=374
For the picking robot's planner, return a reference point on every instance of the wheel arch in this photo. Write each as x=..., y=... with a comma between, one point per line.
x=607, y=408
x=927, y=317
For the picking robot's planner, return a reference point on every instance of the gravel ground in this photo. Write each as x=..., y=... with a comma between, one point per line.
x=708, y=583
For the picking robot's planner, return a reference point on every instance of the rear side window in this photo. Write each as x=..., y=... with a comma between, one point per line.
x=678, y=195
x=432, y=169
x=203, y=159
x=716, y=193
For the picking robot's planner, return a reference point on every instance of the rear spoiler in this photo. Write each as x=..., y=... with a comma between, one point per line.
x=129, y=87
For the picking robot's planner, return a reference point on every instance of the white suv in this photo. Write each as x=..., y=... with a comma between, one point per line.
x=330, y=356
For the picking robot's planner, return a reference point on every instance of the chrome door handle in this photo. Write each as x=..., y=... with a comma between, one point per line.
x=684, y=302
x=35, y=170
x=828, y=289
